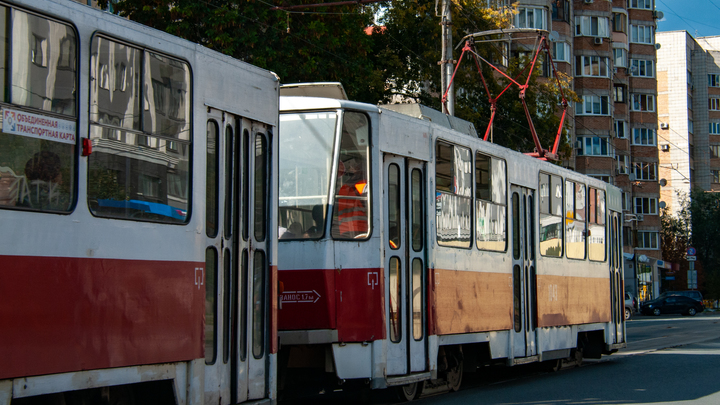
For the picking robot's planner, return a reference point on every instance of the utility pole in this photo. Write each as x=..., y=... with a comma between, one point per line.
x=446, y=64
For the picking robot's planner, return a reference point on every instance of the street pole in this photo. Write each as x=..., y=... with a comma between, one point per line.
x=446, y=65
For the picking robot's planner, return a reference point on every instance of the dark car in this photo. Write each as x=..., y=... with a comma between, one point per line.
x=672, y=304
x=694, y=294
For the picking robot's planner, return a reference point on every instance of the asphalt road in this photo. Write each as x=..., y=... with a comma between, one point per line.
x=670, y=359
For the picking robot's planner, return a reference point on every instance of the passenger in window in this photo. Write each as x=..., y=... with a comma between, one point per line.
x=351, y=201
x=44, y=179
x=318, y=216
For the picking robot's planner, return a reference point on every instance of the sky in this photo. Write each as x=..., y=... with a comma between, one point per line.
x=701, y=18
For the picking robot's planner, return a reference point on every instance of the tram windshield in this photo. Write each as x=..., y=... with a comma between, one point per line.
x=306, y=157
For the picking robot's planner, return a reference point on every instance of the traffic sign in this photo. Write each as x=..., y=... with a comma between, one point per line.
x=691, y=251
x=691, y=258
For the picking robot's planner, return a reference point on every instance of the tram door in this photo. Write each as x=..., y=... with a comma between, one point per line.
x=616, y=277
x=524, y=277
x=236, y=217
x=405, y=268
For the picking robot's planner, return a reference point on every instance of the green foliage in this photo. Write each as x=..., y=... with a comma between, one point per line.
x=330, y=44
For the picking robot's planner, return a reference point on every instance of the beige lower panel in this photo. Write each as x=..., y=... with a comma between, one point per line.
x=468, y=301
x=572, y=300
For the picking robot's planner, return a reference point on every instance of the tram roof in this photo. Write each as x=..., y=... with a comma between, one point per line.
x=292, y=103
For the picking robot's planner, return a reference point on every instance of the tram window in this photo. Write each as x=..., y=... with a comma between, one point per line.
x=351, y=216
x=417, y=298
x=260, y=195
x=490, y=205
x=140, y=165
x=517, y=296
x=44, y=64
x=394, y=214
x=227, y=300
x=395, y=301
x=417, y=211
x=453, y=195
x=243, y=301
x=211, y=258
x=258, y=302
x=516, y=226
x=37, y=171
x=212, y=180
x=305, y=170
x=245, y=184
x=551, y=228
x=596, y=225
x=575, y=220
x=231, y=157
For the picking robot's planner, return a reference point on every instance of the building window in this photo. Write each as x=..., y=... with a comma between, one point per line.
x=642, y=68
x=646, y=206
x=593, y=105
x=644, y=4
x=601, y=177
x=647, y=240
x=561, y=52
x=620, y=57
x=642, y=102
x=591, y=26
x=715, y=176
x=591, y=66
x=619, y=22
x=715, y=151
x=642, y=34
x=691, y=126
x=619, y=93
x=531, y=17
x=713, y=80
x=593, y=146
x=643, y=136
x=645, y=171
x=714, y=128
x=561, y=10
x=623, y=164
x=621, y=129
x=714, y=104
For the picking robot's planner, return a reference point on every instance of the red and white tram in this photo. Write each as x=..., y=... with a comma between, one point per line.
x=137, y=204
x=410, y=251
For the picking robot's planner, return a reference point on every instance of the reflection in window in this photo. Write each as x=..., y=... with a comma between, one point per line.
x=490, y=204
x=351, y=219
x=551, y=229
x=417, y=211
x=517, y=297
x=596, y=225
x=575, y=220
x=306, y=141
x=212, y=180
x=258, y=302
x=260, y=191
x=148, y=181
x=395, y=300
x=394, y=214
x=37, y=172
x=453, y=195
x=210, y=304
x=417, y=298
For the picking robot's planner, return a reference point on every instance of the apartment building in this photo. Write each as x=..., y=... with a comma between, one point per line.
x=689, y=114
x=609, y=48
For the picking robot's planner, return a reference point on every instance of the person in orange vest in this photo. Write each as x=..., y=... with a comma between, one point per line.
x=351, y=201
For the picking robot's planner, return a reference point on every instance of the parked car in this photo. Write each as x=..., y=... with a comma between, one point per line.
x=694, y=294
x=672, y=304
x=630, y=305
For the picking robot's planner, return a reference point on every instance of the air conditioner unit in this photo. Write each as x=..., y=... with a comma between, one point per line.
x=640, y=217
x=664, y=125
x=631, y=176
x=579, y=144
x=588, y=1
x=598, y=41
x=665, y=148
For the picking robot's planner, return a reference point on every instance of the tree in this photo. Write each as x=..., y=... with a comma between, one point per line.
x=705, y=221
x=675, y=238
x=373, y=63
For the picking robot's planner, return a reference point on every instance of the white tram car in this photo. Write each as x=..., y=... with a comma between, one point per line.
x=410, y=251
x=137, y=204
